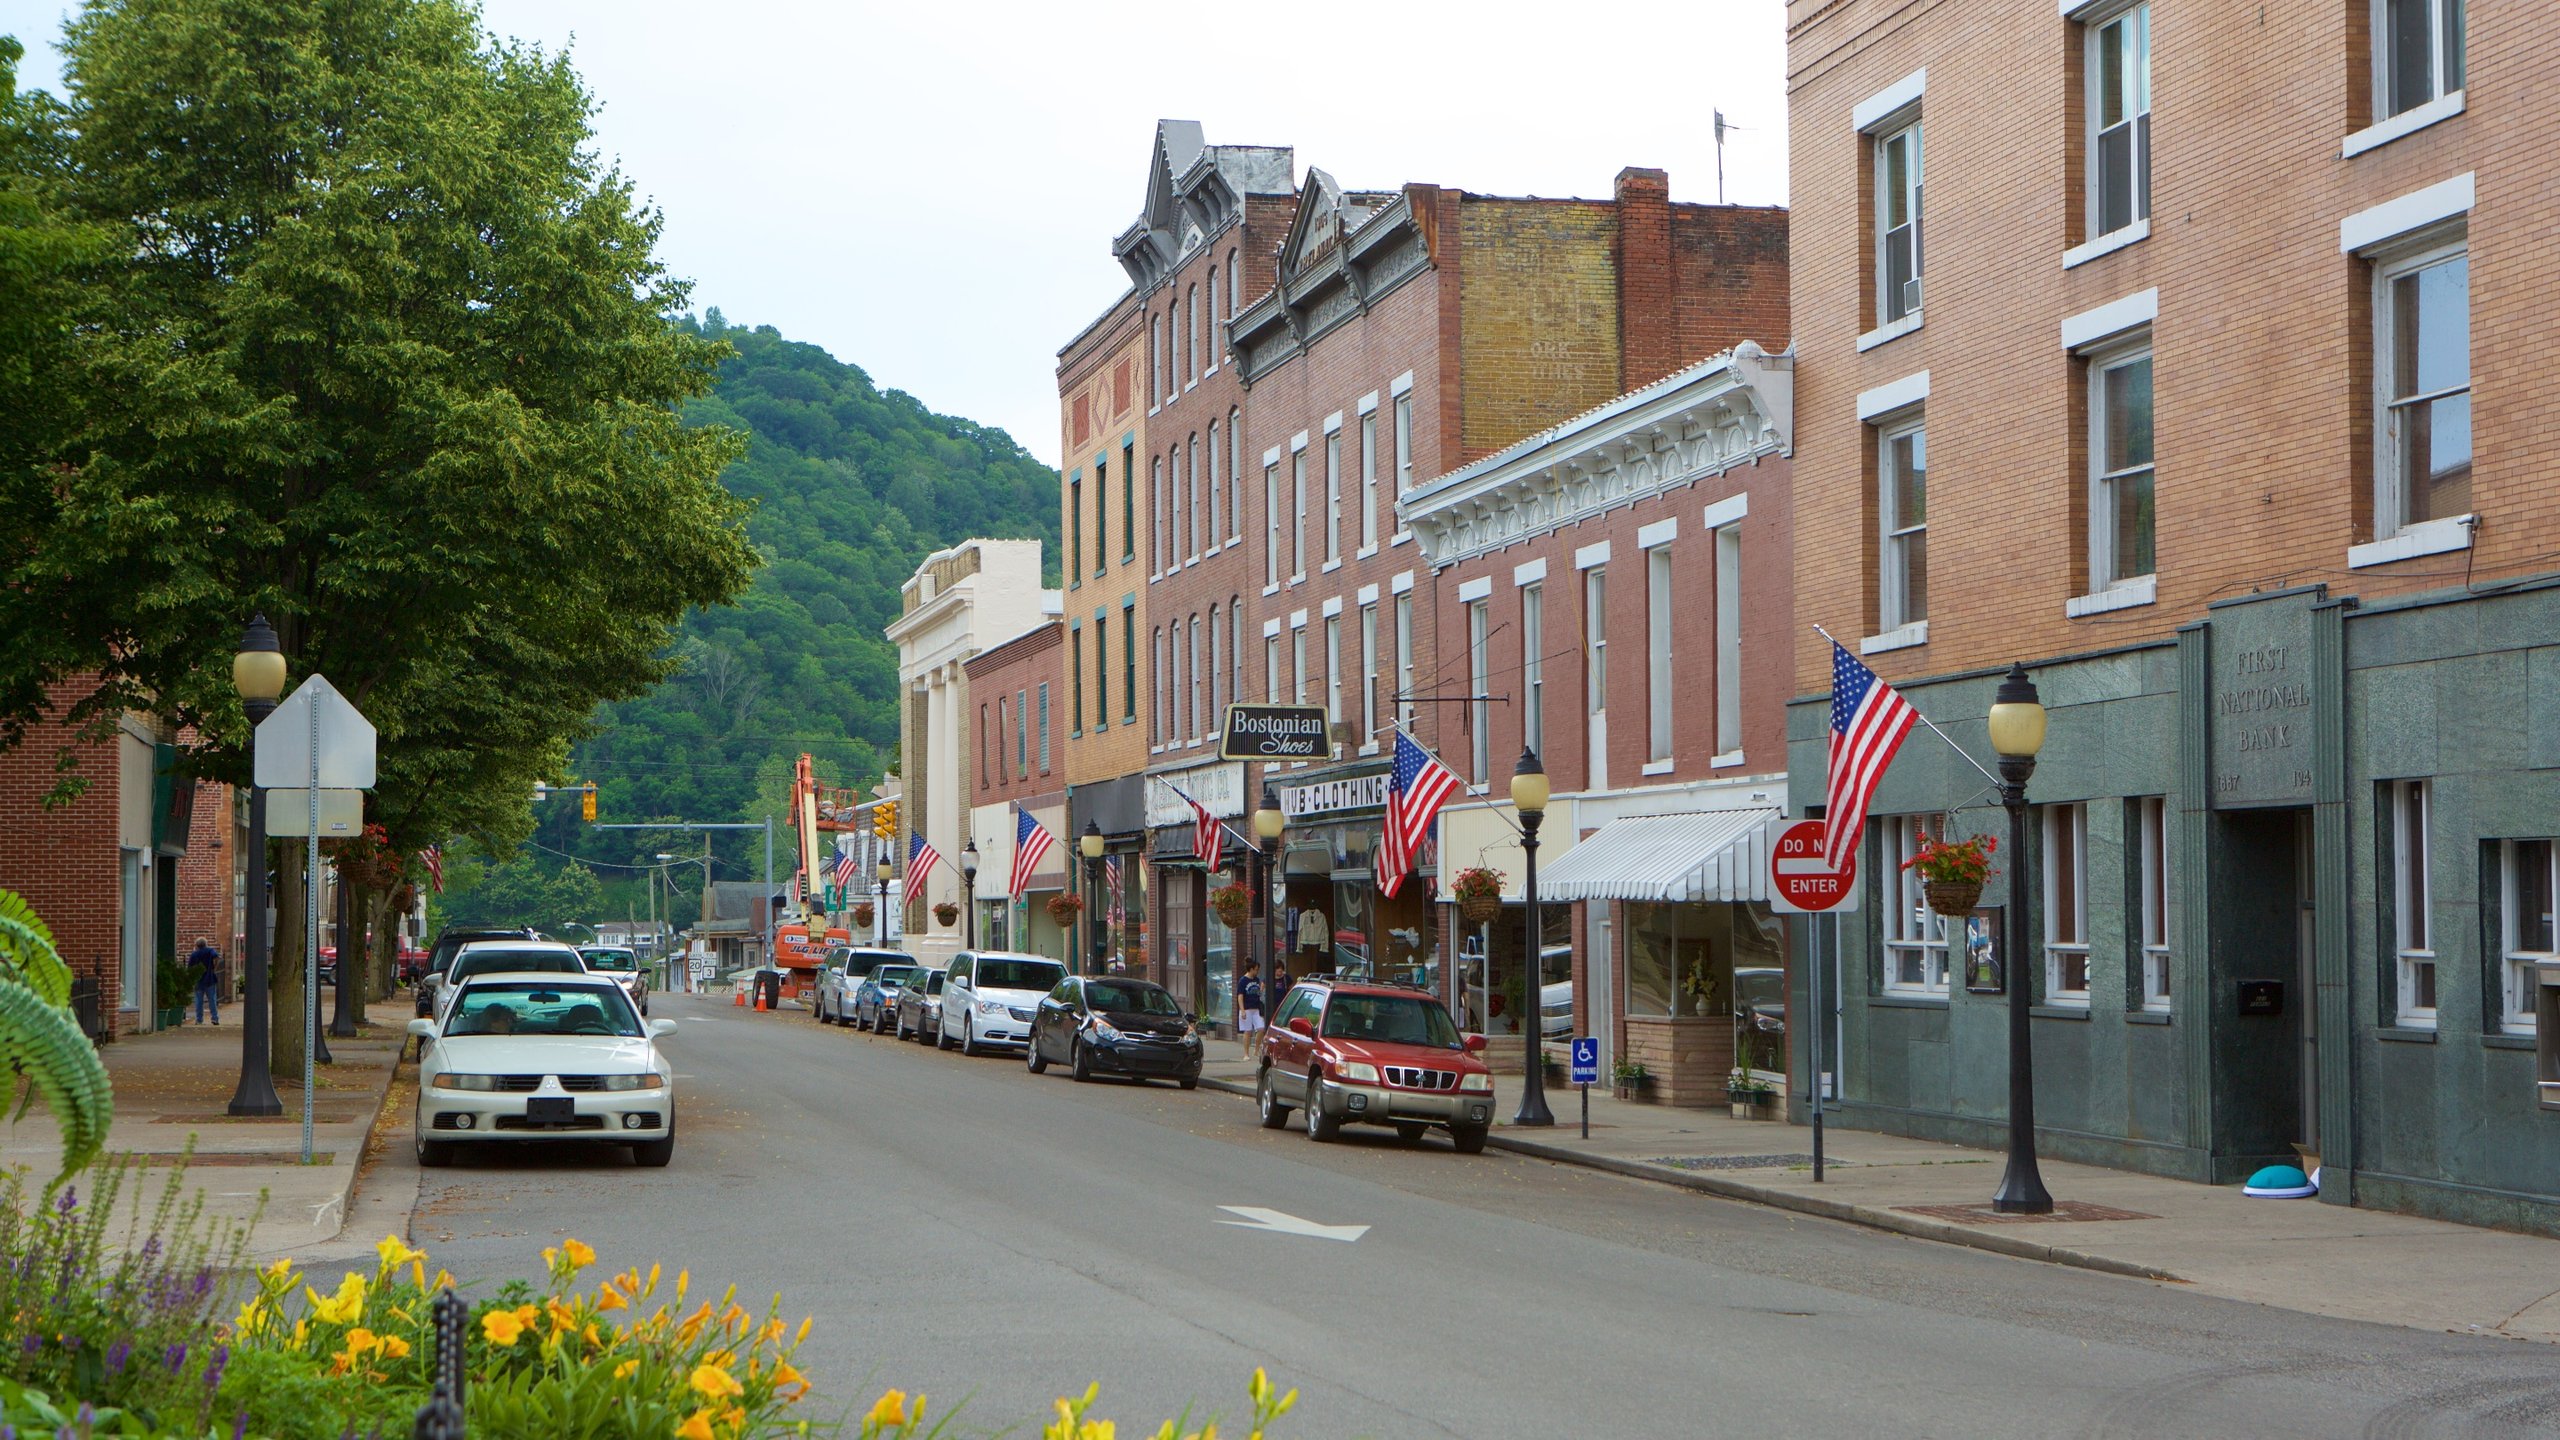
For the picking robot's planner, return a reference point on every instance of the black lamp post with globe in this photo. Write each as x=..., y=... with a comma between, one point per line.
x=258, y=674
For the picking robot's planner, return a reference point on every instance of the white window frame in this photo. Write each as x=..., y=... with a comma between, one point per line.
x=1298, y=493
x=1404, y=659
x=1915, y=937
x=1893, y=582
x=1728, y=552
x=1660, y=703
x=1211, y=354
x=1533, y=666
x=1298, y=660
x=1595, y=639
x=1333, y=496
x=2066, y=905
x=1214, y=632
x=1479, y=674
x=1271, y=667
x=1044, y=727
x=2135, y=21
x=1160, y=713
x=1192, y=669
x=1332, y=673
x=2158, y=909
x=2518, y=954
x=1369, y=673
x=2415, y=979
x=2443, y=82
x=2391, y=501
x=1368, y=481
x=1214, y=483
x=1404, y=442
x=1191, y=356
x=1235, y=476
x=1900, y=305
x=2105, y=544
x=1271, y=526
x=1177, y=491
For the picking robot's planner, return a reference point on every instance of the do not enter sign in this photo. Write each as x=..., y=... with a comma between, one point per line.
x=1801, y=877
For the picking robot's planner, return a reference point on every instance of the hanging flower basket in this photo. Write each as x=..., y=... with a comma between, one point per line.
x=947, y=913
x=1234, y=904
x=1478, y=891
x=1952, y=872
x=1065, y=906
x=863, y=913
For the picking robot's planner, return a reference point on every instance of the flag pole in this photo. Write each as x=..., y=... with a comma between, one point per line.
x=1491, y=805
x=1925, y=720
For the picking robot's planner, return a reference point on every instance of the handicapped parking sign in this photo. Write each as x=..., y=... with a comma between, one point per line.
x=1586, y=1060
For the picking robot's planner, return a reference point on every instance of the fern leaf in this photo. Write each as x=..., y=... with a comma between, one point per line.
x=26, y=944
x=43, y=1042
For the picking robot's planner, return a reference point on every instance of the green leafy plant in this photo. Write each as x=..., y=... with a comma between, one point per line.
x=41, y=1041
x=1743, y=1083
x=1233, y=904
x=1630, y=1072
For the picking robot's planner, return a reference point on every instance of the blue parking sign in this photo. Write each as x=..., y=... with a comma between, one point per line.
x=1586, y=1060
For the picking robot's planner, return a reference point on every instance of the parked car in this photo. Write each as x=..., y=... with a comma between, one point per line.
x=920, y=1006
x=623, y=965
x=875, y=1000
x=483, y=957
x=990, y=996
x=543, y=1056
x=1361, y=1052
x=440, y=958
x=840, y=978
x=1112, y=1025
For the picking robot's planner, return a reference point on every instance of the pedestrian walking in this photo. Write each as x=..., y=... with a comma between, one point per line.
x=1249, y=1014
x=1280, y=982
x=207, y=963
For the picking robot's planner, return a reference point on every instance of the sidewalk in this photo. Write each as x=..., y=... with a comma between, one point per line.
x=176, y=1085
x=2297, y=1254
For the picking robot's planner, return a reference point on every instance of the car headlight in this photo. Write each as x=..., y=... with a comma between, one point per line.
x=1476, y=1084
x=446, y=1080
x=1355, y=1070
x=1102, y=1029
x=650, y=1080
x=990, y=1007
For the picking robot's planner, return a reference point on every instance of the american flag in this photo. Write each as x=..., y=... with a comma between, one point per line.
x=1868, y=722
x=1031, y=845
x=434, y=856
x=1416, y=790
x=1208, y=833
x=841, y=874
x=921, y=857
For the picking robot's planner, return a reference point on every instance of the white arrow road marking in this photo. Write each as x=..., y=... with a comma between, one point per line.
x=1257, y=1218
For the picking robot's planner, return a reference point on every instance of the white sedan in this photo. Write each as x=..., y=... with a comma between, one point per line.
x=544, y=1056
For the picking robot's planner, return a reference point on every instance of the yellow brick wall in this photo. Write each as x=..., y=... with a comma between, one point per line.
x=1538, y=315
x=1091, y=372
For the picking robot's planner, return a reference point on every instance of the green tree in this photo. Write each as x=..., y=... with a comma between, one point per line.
x=383, y=352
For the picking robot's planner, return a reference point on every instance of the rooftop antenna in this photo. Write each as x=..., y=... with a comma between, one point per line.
x=1721, y=128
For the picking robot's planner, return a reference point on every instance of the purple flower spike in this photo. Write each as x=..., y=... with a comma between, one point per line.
x=117, y=1355
x=213, y=1371
x=70, y=1200
x=174, y=1357
x=240, y=1427
x=34, y=1343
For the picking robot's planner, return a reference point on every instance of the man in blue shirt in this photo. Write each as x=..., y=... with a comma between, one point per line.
x=207, y=963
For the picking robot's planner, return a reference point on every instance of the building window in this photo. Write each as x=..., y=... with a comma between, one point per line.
x=1332, y=673
x=1902, y=470
x=1191, y=337
x=1729, y=640
x=1075, y=681
x=1175, y=499
x=1101, y=527
x=1213, y=482
x=1235, y=475
x=1533, y=666
x=1158, y=714
x=1915, y=937
x=1191, y=478
x=1271, y=525
x=2420, y=52
x=1298, y=662
x=1022, y=732
x=1044, y=724
x=1657, y=643
x=1595, y=639
x=2423, y=315
x=2151, y=818
x=2120, y=507
x=1215, y=635
x=1155, y=361
x=1404, y=443
x=2413, y=903
x=1211, y=355
x=1101, y=673
x=1404, y=661
x=1129, y=660
x=2066, y=904
x=1172, y=361
x=1333, y=497
x=1075, y=531
x=1898, y=224
x=1155, y=516
x=1191, y=672
x=1271, y=669
x=1369, y=674
x=2532, y=896
x=1479, y=711
x=1369, y=481
x=2120, y=121
x=1235, y=649
x=1298, y=503
x=1235, y=286
x=984, y=769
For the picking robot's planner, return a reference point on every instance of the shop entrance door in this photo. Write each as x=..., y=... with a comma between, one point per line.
x=2306, y=978
x=2259, y=998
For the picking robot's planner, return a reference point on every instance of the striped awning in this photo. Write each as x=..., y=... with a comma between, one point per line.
x=1712, y=855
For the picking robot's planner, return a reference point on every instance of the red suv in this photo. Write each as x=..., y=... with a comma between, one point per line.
x=1365, y=1052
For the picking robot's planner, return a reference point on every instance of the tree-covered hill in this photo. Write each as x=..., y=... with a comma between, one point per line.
x=853, y=486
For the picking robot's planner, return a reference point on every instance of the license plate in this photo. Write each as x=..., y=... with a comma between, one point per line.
x=550, y=1110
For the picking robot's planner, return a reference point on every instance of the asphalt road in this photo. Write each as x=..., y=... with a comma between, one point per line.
x=961, y=1228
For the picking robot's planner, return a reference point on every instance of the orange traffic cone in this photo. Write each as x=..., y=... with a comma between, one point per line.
x=741, y=998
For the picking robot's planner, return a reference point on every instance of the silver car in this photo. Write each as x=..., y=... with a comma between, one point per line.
x=840, y=979
x=920, y=1007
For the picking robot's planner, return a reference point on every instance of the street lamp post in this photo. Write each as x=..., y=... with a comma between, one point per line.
x=1529, y=797
x=1089, y=844
x=880, y=873
x=2017, y=733
x=1267, y=821
x=969, y=899
x=680, y=977
x=258, y=673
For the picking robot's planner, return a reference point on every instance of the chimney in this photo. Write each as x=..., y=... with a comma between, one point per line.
x=1647, y=329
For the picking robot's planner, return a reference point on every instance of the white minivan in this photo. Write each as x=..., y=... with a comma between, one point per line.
x=991, y=997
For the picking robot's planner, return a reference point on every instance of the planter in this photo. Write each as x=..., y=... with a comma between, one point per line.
x=170, y=1017
x=948, y=914
x=1953, y=897
x=1754, y=1105
x=1480, y=908
x=863, y=915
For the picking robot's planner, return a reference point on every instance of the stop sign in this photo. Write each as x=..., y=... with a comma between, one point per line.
x=1801, y=877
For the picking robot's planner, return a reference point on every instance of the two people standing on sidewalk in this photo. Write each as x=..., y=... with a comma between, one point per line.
x=207, y=963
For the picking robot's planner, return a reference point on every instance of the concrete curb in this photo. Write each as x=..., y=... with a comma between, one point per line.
x=1725, y=1187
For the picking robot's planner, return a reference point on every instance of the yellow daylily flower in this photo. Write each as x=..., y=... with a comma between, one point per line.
x=360, y=1340
x=609, y=1300
x=395, y=1253
x=623, y=1370
x=394, y=1348
x=804, y=1328
x=501, y=1327
x=683, y=1278
x=889, y=1409
x=581, y=1255
x=715, y=1382
x=696, y=1426
x=281, y=1270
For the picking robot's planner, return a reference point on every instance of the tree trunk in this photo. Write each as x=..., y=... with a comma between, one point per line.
x=385, y=930
x=355, y=952
x=284, y=977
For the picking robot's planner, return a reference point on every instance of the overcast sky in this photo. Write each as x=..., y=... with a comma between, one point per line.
x=930, y=190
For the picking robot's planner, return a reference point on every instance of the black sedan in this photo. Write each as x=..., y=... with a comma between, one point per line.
x=1107, y=1025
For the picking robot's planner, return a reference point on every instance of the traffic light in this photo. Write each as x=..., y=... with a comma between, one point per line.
x=884, y=820
x=587, y=804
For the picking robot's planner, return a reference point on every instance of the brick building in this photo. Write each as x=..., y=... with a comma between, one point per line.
x=2239, y=452
x=1018, y=770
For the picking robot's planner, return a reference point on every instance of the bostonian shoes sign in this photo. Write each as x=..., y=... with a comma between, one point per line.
x=1274, y=732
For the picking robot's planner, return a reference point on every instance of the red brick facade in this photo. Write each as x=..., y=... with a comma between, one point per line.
x=66, y=861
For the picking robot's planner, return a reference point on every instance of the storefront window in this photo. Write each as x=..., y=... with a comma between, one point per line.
x=1218, y=957
x=1682, y=960
x=1494, y=997
x=1179, y=886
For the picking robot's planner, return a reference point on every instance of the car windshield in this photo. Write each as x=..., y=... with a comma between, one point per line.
x=933, y=982
x=483, y=962
x=533, y=1008
x=865, y=962
x=1392, y=1019
x=890, y=976
x=1041, y=975
x=610, y=959
x=1129, y=999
